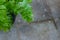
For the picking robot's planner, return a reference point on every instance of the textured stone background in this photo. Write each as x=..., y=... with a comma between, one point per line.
x=46, y=24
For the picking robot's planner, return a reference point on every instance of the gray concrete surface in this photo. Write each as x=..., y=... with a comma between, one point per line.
x=46, y=19
x=35, y=31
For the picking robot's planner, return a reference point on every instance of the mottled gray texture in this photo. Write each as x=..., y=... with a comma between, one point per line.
x=35, y=31
x=41, y=29
x=40, y=10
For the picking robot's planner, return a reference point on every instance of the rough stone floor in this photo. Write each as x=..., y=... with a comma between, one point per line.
x=46, y=24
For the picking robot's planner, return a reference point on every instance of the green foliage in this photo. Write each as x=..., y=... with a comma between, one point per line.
x=5, y=20
x=8, y=7
x=25, y=10
x=2, y=1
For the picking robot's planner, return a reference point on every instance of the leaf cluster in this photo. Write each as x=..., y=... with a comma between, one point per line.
x=10, y=8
